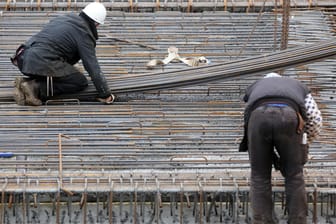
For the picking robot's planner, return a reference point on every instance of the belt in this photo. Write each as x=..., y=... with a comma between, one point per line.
x=276, y=104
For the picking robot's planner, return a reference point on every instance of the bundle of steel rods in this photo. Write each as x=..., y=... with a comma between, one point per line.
x=226, y=71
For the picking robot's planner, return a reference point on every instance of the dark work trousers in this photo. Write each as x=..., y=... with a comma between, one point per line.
x=73, y=81
x=272, y=127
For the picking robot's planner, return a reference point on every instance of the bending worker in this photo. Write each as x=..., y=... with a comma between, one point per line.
x=280, y=113
x=47, y=58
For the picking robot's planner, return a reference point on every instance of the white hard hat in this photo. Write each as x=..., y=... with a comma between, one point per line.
x=96, y=11
x=272, y=74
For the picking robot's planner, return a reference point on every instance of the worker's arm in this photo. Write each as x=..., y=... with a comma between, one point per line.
x=87, y=53
x=314, y=119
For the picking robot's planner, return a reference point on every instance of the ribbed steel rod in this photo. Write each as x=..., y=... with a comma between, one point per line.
x=159, y=5
x=226, y=71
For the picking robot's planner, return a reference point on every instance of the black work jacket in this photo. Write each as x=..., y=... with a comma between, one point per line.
x=277, y=89
x=62, y=43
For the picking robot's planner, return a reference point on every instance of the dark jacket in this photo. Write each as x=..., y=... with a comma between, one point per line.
x=283, y=89
x=276, y=89
x=62, y=43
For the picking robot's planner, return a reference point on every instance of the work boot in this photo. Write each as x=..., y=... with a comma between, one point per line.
x=31, y=90
x=19, y=97
x=18, y=93
x=19, y=80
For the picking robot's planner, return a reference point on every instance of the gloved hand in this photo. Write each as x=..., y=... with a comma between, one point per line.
x=108, y=100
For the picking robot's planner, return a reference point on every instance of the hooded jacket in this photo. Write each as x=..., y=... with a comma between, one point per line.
x=62, y=43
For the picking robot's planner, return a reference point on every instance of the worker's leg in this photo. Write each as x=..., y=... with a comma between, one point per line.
x=65, y=79
x=260, y=150
x=288, y=144
x=71, y=83
x=34, y=90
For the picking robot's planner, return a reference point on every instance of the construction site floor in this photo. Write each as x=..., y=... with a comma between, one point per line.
x=161, y=156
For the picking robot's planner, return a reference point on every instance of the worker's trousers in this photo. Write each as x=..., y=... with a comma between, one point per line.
x=55, y=86
x=71, y=81
x=272, y=127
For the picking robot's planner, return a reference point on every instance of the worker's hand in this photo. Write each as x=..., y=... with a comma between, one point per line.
x=108, y=100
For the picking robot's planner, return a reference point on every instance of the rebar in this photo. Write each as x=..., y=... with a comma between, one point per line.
x=166, y=155
x=150, y=6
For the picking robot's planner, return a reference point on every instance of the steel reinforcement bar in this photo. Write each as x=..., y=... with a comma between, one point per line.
x=154, y=197
x=261, y=64
x=189, y=6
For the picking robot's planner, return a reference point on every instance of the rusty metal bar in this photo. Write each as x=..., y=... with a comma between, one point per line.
x=285, y=24
x=156, y=5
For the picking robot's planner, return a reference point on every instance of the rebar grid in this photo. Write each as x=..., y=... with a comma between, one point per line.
x=161, y=153
x=212, y=200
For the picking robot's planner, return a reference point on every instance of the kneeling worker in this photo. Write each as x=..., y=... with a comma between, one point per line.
x=47, y=59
